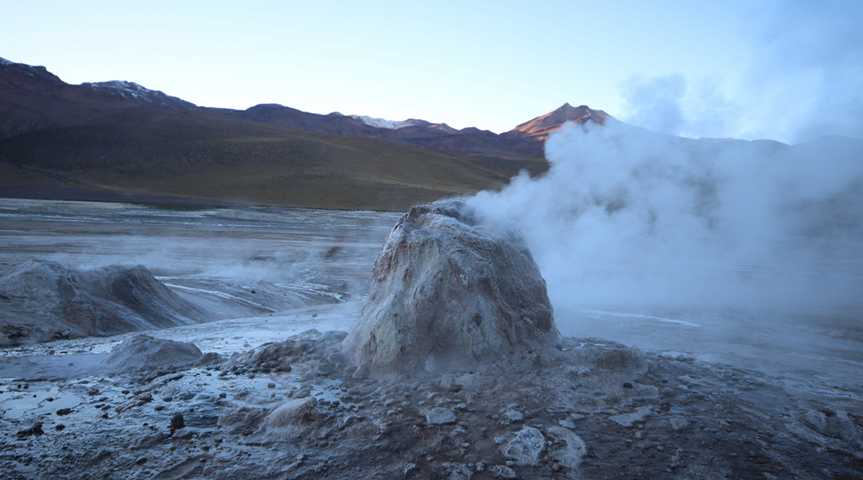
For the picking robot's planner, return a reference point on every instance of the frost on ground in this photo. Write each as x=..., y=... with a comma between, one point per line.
x=308, y=416
x=296, y=407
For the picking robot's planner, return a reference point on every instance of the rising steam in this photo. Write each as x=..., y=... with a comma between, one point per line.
x=626, y=217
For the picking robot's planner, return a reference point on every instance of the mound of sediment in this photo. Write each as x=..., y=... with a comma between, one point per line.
x=447, y=290
x=42, y=300
x=143, y=352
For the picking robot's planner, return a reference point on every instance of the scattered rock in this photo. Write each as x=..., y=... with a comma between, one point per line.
x=184, y=434
x=572, y=449
x=678, y=423
x=629, y=419
x=816, y=420
x=840, y=425
x=458, y=471
x=525, y=447
x=243, y=420
x=502, y=471
x=617, y=358
x=578, y=371
x=458, y=382
x=177, y=422
x=643, y=392
x=136, y=401
x=63, y=412
x=511, y=415
x=566, y=423
x=35, y=430
x=439, y=416
x=289, y=419
x=209, y=359
x=679, y=356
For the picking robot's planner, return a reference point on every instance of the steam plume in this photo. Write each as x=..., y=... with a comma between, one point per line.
x=628, y=217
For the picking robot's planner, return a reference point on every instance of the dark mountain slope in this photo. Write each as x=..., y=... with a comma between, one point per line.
x=119, y=140
x=207, y=156
x=32, y=98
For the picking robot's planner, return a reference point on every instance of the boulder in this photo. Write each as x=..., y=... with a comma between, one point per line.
x=143, y=352
x=571, y=450
x=629, y=419
x=525, y=447
x=290, y=420
x=440, y=416
x=448, y=291
x=293, y=412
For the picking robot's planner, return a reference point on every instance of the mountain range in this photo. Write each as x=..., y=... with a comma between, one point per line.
x=118, y=140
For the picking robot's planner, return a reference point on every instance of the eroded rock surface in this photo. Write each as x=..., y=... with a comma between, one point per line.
x=447, y=291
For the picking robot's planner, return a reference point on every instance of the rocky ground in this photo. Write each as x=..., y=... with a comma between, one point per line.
x=294, y=409
x=248, y=395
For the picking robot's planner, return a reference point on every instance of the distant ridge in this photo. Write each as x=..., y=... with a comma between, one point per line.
x=121, y=140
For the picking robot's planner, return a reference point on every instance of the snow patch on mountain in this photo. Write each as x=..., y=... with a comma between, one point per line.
x=388, y=124
x=128, y=89
x=135, y=91
x=399, y=124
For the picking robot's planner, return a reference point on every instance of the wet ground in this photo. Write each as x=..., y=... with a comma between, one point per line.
x=267, y=274
x=263, y=266
x=235, y=262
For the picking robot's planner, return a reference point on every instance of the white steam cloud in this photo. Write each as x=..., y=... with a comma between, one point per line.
x=657, y=103
x=626, y=217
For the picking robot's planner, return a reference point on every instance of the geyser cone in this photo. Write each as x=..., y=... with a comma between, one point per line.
x=447, y=291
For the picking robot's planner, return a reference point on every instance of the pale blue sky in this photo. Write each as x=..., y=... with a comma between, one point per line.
x=490, y=64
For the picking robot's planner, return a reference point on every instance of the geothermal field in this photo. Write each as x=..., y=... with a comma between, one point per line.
x=282, y=349
x=580, y=240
